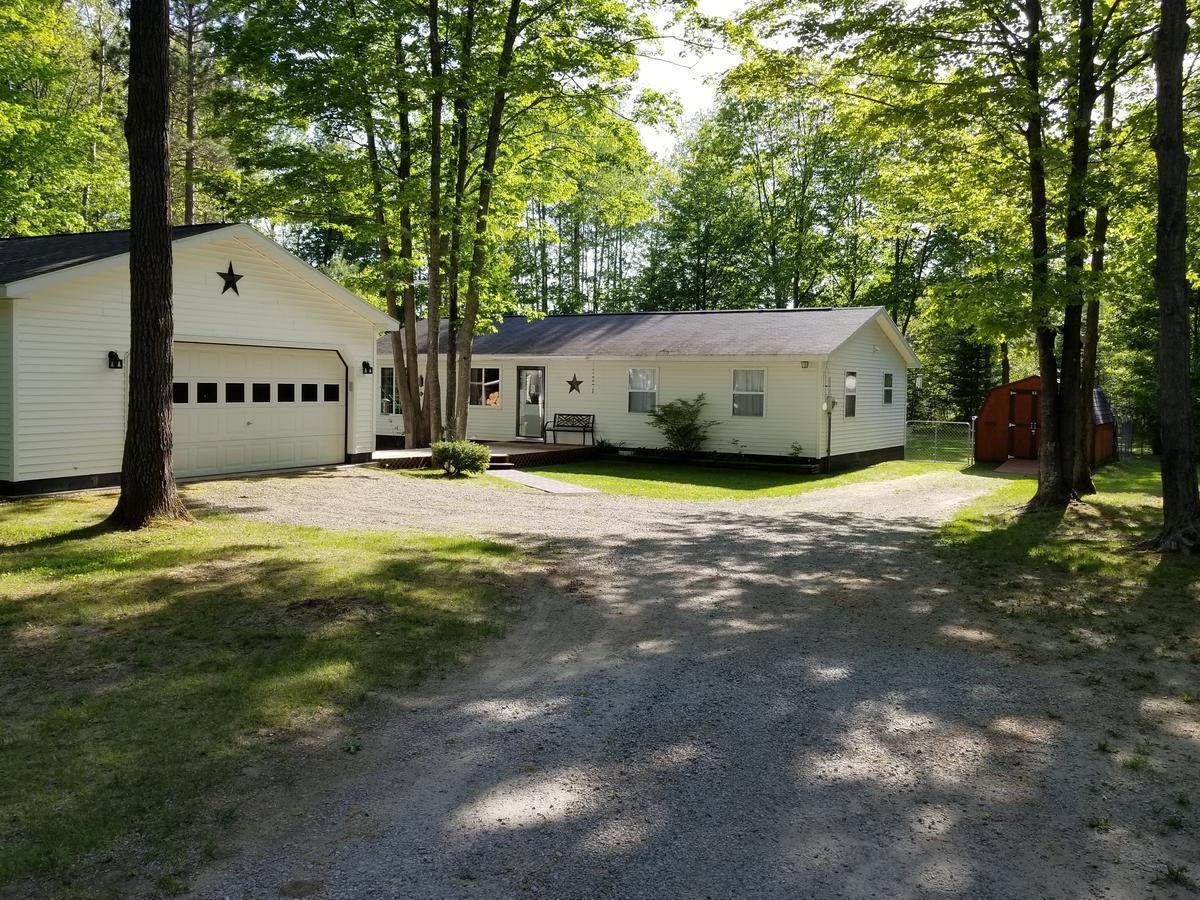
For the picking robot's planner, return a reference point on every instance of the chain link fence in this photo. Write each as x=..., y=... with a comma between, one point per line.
x=950, y=442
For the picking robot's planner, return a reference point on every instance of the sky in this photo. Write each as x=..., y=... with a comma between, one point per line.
x=685, y=71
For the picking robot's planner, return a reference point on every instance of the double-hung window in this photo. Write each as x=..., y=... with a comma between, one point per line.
x=887, y=388
x=850, y=406
x=387, y=391
x=485, y=387
x=749, y=392
x=643, y=390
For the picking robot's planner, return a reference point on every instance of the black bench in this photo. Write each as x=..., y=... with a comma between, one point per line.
x=582, y=423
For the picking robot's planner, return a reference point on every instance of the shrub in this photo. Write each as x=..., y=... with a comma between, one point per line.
x=682, y=424
x=461, y=457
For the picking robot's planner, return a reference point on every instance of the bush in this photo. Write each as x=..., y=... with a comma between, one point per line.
x=682, y=424
x=461, y=457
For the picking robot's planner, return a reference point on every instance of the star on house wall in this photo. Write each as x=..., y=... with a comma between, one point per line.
x=231, y=278
x=573, y=384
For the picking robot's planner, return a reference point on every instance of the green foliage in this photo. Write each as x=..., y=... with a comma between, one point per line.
x=682, y=424
x=458, y=458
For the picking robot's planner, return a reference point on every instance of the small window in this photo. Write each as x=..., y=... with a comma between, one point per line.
x=308, y=393
x=643, y=390
x=235, y=392
x=179, y=392
x=286, y=393
x=485, y=387
x=206, y=392
x=851, y=395
x=887, y=388
x=387, y=391
x=260, y=393
x=749, y=392
x=332, y=393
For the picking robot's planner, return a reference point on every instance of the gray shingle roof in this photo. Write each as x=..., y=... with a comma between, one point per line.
x=27, y=257
x=768, y=332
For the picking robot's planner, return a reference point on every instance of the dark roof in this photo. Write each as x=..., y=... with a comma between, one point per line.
x=1102, y=413
x=27, y=257
x=767, y=332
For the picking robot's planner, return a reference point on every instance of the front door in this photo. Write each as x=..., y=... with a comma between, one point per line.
x=1023, y=424
x=531, y=401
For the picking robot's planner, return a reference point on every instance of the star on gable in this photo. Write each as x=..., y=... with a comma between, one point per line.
x=231, y=278
x=573, y=383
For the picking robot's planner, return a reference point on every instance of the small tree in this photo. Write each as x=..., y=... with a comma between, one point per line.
x=682, y=423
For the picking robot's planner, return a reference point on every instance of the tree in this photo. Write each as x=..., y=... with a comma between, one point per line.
x=1181, y=498
x=148, y=491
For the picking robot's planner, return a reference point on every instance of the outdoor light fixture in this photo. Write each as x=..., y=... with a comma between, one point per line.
x=114, y=360
x=367, y=368
x=804, y=363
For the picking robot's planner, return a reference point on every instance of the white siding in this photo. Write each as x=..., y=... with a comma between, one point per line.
x=791, y=406
x=71, y=406
x=875, y=426
x=6, y=390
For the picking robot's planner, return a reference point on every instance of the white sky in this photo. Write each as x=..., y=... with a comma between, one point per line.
x=686, y=71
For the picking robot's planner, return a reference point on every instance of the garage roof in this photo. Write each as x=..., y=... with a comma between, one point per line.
x=813, y=331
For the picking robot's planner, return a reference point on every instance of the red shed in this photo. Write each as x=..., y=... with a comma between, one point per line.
x=1008, y=421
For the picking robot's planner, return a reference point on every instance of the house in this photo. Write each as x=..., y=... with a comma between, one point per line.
x=826, y=384
x=1007, y=424
x=274, y=362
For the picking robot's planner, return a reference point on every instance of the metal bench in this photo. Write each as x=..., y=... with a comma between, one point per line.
x=581, y=423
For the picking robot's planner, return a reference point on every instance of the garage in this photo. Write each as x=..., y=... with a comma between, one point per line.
x=246, y=408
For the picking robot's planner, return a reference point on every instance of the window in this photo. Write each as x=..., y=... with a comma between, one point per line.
x=643, y=390
x=235, y=392
x=387, y=391
x=308, y=393
x=851, y=395
x=332, y=393
x=887, y=388
x=206, y=392
x=485, y=387
x=286, y=393
x=749, y=391
x=260, y=393
x=179, y=392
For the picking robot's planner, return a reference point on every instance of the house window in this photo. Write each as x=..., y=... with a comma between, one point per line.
x=235, y=392
x=206, y=392
x=850, y=406
x=887, y=388
x=643, y=390
x=260, y=393
x=387, y=391
x=286, y=393
x=485, y=387
x=179, y=392
x=332, y=393
x=308, y=393
x=749, y=392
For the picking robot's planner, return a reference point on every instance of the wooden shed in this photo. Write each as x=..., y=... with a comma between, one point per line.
x=1008, y=422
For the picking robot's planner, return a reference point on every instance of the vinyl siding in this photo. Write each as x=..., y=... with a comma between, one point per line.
x=791, y=413
x=6, y=390
x=870, y=354
x=71, y=406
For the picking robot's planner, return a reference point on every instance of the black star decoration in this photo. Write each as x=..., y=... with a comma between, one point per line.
x=573, y=383
x=231, y=278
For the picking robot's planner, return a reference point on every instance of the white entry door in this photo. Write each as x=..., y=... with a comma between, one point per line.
x=241, y=409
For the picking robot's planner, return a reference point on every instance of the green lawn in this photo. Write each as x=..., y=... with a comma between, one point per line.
x=143, y=671
x=683, y=481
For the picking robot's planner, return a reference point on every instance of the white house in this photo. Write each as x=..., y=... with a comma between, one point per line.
x=823, y=384
x=274, y=362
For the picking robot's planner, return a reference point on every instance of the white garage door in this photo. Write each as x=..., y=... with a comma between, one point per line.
x=241, y=409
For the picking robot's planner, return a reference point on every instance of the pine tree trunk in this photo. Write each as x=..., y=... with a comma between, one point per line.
x=189, y=156
x=404, y=345
x=433, y=318
x=148, y=491
x=1181, y=498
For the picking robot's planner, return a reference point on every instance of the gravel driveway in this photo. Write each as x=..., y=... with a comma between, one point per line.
x=769, y=698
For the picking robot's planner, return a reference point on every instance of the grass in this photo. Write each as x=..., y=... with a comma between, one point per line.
x=143, y=672
x=684, y=481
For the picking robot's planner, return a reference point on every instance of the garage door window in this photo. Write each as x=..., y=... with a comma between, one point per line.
x=261, y=393
x=286, y=393
x=206, y=392
x=235, y=392
x=308, y=393
x=333, y=393
x=179, y=392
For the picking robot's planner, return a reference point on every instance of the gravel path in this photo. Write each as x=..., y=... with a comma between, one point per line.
x=770, y=698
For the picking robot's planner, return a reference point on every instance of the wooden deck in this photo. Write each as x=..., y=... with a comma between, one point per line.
x=505, y=455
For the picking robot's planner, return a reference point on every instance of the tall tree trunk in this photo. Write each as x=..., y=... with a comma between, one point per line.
x=1181, y=497
x=433, y=318
x=486, y=176
x=404, y=345
x=189, y=154
x=1005, y=368
x=148, y=491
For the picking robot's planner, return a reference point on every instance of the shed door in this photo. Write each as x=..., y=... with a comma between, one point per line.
x=1022, y=424
x=242, y=409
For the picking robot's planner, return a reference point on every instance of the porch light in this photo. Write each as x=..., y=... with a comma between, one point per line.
x=367, y=368
x=114, y=360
